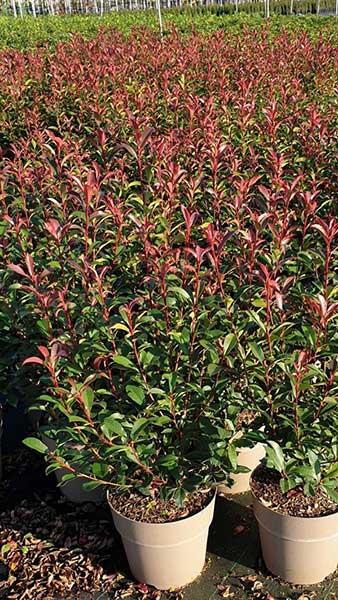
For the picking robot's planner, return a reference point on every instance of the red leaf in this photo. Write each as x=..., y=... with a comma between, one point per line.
x=30, y=264
x=53, y=227
x=323, y=304
x=146, y=135
x=101, y=137
x=279, y=300
x=265, y=192
x=17, y=269
x=44, y=351
x=33, y=359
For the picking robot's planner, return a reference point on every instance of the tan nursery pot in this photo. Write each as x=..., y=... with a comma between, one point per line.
x=72, y=489
x=247, y=457
x=300, y=550
x=166, y=555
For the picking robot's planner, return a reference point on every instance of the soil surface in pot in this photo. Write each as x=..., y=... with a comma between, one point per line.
x=145, y=509
x=265, y=486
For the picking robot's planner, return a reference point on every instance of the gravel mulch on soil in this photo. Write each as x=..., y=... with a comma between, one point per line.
x=51, y=549
x=265, y=486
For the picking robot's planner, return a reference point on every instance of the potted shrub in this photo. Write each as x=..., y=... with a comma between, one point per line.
x=151, y=427
x=296, y=489
x=136, y=375
x=130, y=298
x=294, y=382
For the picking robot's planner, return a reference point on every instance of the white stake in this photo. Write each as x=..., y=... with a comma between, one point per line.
x=158, y=3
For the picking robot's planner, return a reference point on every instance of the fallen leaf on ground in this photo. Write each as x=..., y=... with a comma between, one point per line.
x=224, y=591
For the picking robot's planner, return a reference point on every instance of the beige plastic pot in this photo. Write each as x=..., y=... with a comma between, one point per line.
x=166, y=555
x=72, y=489
x=300, y=550
x=247, y=457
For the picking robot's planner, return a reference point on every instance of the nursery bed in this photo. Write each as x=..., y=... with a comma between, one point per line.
x=52, y=549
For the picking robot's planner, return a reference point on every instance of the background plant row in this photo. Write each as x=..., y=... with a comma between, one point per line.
x=29, y=32
x=279, y=7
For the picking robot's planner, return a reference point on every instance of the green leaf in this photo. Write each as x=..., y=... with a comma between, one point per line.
x=44, y=326
x=315, y=463
x=276, y=332
x=35, y=444
x=111, y=426
x=256, y=318
x=259, y=302
x=76, y=419
x=232, y=454
x=183, y=294
x=284, y=485
x=67, y=477
x=229, y=342
x=121, y=327
x=51, y=468
x=309, y=488
x=130, y=455
x=309, y=334
x=179, y=497
x=100, y=470
x=88, y=399
x=257, y=351
x=5, y=548
x=90, y=485
x=169, y=461
x=123, y=361
x=3, y=227
x=145, y=490
x=171, y=378
x=135, y=393
x=160, y=421
x=46, y=398
x=332, y=492
x=139, y=426
x=332, y=471
x=276, y=456
x=211, y=369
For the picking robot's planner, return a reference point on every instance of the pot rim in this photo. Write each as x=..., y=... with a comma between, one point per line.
x=332, y=516
x=247, y=449
x=195, y=515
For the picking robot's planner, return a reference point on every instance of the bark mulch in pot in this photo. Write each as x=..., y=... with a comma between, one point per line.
x=145, y=509
x=265, y=486
x=51, y=549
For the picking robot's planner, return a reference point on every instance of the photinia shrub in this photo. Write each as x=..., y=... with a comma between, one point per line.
x=289, y=343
